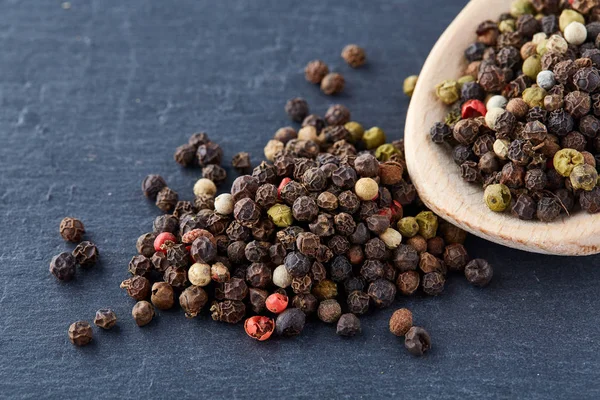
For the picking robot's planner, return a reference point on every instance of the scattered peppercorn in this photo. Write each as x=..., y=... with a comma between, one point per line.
x=71, y=229
x=401, y=321
x=417, y=341
x=63, y=266
x=333, y=83
x=105, y=318
x=80, y=333
x=142, y=313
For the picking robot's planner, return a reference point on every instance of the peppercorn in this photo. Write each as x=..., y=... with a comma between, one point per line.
x=428, y=224
x=162, y=296
x=259, y=327
x=297, y=109
x=417, y=341
x=590, y=200
x=548, y=209
x=497, y=197
x=401, y=321
x=152, y=184
x=329, y=311
x=374, y=137
x=325, y=289
x=185, y=155
x=479, y=272
x=105, y=318
x=348, y=325
x=63, y=266
x=80, y=333
x=448, y=91
x=408, y=282
x=145, y=244
x=241, y=161
x=315, y=71
x=429, y=263
x=433, y=283
x=565, y=160
x=391, y=237
x=382, y=292
x=333, y=83
x=199, y=274
x=230, y=311
x=408, y=86
x=219, y=272
x=166, y=199
x=71, y=229
x=209, y=153
x=214, y=173
x=142, y=313
x=290, y=322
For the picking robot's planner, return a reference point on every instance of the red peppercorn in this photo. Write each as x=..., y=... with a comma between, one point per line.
x=259, y=327
x=161, y=241
x=284, y=182
x=473, y=108
x=397, y=210
x=276, y=303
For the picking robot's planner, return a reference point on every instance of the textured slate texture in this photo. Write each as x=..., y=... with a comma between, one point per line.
x=95, y=97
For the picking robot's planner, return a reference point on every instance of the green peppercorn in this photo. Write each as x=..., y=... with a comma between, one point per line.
x=408, y=226
x=428, y=224
x=568, y=16
x=534, y=96
x=385, y=151
x=584, y=177
x=565, y=160
x=448, y=91
x=356, y=130
x=374, y=137
x=409, y=85
x=507, y=26
x=532, y=66
x=521, y=7
x=497, y=197
x=542, y=48
x=281, y=215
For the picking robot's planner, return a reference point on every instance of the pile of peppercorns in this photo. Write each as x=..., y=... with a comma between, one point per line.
x=329, y=227
x=534, y=144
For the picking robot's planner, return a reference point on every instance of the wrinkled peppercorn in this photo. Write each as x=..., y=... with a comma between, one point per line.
x=80, y=333
x=71, y=229
x=86, y=254
x=479, y=272
x=63, y=266
x=105, y=318
x=417, y=341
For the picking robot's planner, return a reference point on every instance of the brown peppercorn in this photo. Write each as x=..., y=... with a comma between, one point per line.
x=152, y=184
x=302, y=285
x=244, y=186
x=406, y=257
x=333, y=83
x=86, y=254
x=329, y=311
x=305, y=302
x=246, y=212
x=429, y=263
x=198, y=138
x=390, y=172
x=71, y=229
x=137, y=287
x=456, y=257
x=418, y=242
x=354, y=55
x=209, y=153
x=176, y=277
x=297, y=109
x=408, y=282
x=524, y=207
x=191, y=300
x=466, y=131
x=235, y=289
x=185, y=155
x=166, y=199
x=215, y=173
x=436, y=246
x=142, y=313
x=80, y=333
x=337, y=114
x=401, y=321
x=358, y=302
x=327, y=201
x=315, y=71
x=417, y=341
x=491, y=78
x=163, y=296
x=230, y=311
x=308, y=243
x=241, y=162
x=382, y=292
x=105, y=318
x=378, y=223
x=184, y=208
x=259, y=275
x=433, y=283
x=292, y=191
x=479, y=272
x=314, y=179
x=348, y=202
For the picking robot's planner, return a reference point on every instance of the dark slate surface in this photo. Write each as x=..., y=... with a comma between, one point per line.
x=95, y=97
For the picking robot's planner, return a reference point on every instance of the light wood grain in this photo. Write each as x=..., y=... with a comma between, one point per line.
x=437, y=178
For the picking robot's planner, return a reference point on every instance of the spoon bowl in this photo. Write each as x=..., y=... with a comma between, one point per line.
x=437, y=178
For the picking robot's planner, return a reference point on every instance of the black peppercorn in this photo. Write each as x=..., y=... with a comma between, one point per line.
x=176, y=277
x=417, y=341
x=348, y=325
x=241, y=162
x=185, y=155
x=524, y=207
x=548, y=209
x=192, y=300
x=152, y=184
x=382, y=292
x=408, y=282
x=215, y=173
x=166, y=199
x=62, y=266
x=344, y=177
x=479, y=272
x=297, y=109
x=209, y=153
x=259, y=275
x=137, y=287
x=433, y=283
x=290, y=322
x=305, y=209
x=297, y=264
x=348, y=202
x=305, y=302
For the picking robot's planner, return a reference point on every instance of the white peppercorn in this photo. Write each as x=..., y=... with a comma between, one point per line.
x=281, y=277
x=496, y=101
x=199, y=274
x=272, y=148
x=545, y=80
x=492, y=116
x=205, y=187
x=391, y=237
x=575, y=33
x=224, y=204
x=366, y=189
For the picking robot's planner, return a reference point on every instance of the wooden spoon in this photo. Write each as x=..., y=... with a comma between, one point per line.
x=437, y=178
